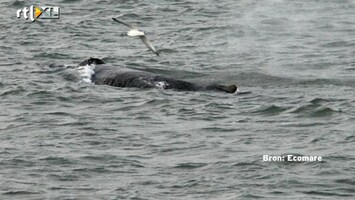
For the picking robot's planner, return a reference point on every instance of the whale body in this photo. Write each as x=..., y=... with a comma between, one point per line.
x=103, y=74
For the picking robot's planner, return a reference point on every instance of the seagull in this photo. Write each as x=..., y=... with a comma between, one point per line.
x=134, y=32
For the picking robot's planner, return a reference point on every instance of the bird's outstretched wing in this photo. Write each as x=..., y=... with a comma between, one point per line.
x=148, y=44
x=124, y=23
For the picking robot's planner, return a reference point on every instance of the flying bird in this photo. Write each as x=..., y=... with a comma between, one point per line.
x=134, y=32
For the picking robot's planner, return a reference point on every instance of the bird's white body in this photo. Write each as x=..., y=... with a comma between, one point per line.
x=135, y=33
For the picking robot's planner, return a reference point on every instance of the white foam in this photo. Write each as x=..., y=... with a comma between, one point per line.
x=161, y=84
x=86, y=72
x=71, y=66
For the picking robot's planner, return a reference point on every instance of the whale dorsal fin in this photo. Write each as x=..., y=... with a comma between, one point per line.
x=229, y=88
x=95, y=61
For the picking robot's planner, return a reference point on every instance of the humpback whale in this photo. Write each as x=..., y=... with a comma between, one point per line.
x=102, y=74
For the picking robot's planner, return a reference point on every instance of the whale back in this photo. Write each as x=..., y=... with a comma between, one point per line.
x=102, y=74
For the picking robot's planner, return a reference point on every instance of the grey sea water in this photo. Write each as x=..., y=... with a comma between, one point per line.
x=61, y=138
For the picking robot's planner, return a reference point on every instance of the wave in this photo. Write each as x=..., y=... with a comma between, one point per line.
x=16, y=91
x=271, y=110
x=315, y=109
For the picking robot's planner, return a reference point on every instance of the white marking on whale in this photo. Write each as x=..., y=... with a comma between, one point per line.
x=86, y=72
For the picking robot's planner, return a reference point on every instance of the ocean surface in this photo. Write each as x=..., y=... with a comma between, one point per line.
x=63, y=138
